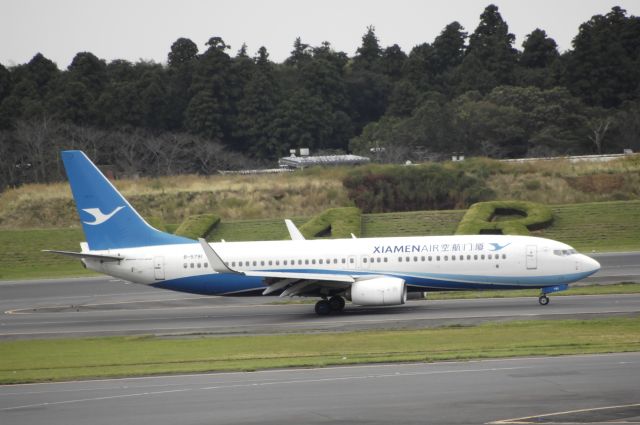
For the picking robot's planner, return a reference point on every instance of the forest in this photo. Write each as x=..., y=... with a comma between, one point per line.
x=467, y=92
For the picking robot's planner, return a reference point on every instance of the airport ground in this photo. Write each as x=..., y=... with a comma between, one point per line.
x=465, y=392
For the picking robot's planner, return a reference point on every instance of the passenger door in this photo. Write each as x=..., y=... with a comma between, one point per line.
x=532, y=257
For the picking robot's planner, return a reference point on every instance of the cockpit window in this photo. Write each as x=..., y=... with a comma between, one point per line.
x=564, y=252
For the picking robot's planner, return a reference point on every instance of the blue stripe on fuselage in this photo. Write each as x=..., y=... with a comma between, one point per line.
x=221, y=284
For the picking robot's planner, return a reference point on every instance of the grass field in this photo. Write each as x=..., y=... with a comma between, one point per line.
x=599, y=226
x=67, y=359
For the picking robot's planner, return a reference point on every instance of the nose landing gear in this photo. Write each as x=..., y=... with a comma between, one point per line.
x=543, y=299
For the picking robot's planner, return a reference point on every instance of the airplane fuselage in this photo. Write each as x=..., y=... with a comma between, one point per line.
x=424, y=263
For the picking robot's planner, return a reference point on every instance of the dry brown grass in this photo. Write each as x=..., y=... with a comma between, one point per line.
x=174, y=198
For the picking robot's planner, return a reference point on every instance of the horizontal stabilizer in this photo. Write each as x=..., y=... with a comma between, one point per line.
x=86, y=255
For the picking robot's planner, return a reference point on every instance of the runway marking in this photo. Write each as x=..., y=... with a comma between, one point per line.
x=262, y=384
x=535, y=418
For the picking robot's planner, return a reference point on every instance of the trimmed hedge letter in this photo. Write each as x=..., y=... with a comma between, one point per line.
x=481, y=218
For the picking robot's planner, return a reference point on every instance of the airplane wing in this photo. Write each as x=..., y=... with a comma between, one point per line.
x=293, y=283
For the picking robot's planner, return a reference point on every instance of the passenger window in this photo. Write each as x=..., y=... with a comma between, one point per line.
x=399, y=259
x=415, y=259
x=385, y=259
x=206, y=265
x=468, y=257
x=185, y=265
x=446, y=258
x=489, y=257
x=430, y=258
x=320, y=261
x=277, y=262
x=482, y=257
x=191, y=265
x=453, y=258
x=504, y=256
x=262, y=263
x=344, y=261
x=475, y=257
x=351, y=260
x=199, y=265
x=408, y=259
x=364, y=260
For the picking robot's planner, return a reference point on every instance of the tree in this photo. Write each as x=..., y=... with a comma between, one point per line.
x=182, y=51
x=604, y=66
x=87, y=69
x=490, y=58
x=300, y=53
x=210, y=108
x=369, y=53
x=257, y=107
x=392, y=62
x=539, y=51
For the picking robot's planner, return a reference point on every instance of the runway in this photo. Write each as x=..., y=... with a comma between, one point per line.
x=578, y=389
x=104, y=306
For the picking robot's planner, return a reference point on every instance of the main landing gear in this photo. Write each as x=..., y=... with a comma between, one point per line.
x=334, y=304
x=543, y=300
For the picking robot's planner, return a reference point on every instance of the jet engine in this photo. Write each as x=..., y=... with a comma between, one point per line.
x=378, y=291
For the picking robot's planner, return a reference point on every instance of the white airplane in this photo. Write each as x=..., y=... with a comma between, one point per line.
x=365, y=271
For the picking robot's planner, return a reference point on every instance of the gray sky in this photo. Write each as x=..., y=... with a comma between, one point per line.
x=145, y=29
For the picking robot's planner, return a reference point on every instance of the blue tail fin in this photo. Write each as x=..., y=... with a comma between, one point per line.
x=108, y=220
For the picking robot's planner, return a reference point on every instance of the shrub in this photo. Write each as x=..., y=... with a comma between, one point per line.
x=401, y=188
x=335, y=223
x=197, y=226
x=478, y=218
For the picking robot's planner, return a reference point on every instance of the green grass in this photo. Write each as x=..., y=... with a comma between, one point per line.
x=66, y=359
x=620, y=288
x=21, y=255
x=252, y=230
x=596, y=226
x=413, y=223
x=197, y=226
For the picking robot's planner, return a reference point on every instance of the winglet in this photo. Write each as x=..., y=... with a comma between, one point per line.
x=293, y=231
x=215, y=261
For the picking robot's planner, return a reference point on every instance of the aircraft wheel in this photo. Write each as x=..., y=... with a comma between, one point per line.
x=336, y=303
x=543, y=300
x=323, y=308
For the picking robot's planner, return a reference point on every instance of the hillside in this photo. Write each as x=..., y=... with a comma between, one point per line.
x=309, y=192
x=605, y=226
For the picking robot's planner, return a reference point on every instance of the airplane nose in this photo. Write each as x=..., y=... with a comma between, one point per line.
x=589, y=264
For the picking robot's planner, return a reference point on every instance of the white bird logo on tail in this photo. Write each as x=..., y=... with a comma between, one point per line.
x=99, y=216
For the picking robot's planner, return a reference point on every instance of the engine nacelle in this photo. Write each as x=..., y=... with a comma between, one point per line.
x=379, y=291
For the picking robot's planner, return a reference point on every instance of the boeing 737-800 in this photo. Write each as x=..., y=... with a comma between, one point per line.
x=365, y=271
